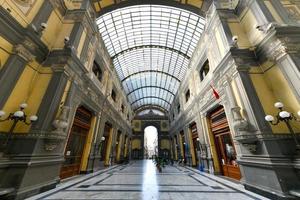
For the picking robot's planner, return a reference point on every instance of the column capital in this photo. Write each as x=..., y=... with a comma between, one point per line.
x=282, y=40
x=283, y=48
x=21, y=51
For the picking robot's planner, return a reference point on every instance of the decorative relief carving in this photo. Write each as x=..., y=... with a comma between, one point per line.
x=59, y=5
x=29, y=44
x=89, y=56
x=23, y=52
x=59, y=133
x=73, y=4
x=293, y=9
x=136, y=125
x=278, y=46
x=239, y=123
x=24, y=5
x=164, y=125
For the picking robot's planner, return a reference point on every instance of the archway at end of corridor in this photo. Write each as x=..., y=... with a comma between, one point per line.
x=150, y=142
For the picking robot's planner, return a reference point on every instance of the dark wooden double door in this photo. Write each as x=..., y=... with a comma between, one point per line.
x=76, y=143
x=224, y=144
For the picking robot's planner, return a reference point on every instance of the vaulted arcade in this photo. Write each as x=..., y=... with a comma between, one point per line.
x=217, y=81
x=151, y=46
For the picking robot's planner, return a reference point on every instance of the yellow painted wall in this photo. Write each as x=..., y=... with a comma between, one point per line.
x=221, y=45
x=108, y=148
x=237, y=29
x=97, y=7
x=137, y=125
x=176, y=155
x=26, y=91
x=53, y=36
x=181, y=145
x=88, y=145
x=136, y=144
x=248, y=22
x=71, y=5
x=120, y=144
x=237, y=97
x=105, y=3
x=65, y=31
x=126, y=146
x=64, y=97
x=165, y=144
x=197, y=3
x=81, y=43
x=5, y=50
x=272, y=87
x=23, y=15
x=214, y=154
x=171, y=150
x=192, y=148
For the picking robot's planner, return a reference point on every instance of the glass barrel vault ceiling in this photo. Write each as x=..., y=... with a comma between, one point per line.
x=151, y=46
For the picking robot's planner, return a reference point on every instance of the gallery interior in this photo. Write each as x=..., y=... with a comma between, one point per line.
x=217, y=82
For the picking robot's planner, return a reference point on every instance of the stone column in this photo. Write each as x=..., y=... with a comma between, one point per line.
x=264, y=158
x=113, y=146
x=42, y=17
x=94, y=157
x=12, y=70
x=187, y=146
x=289, y=64
x=209, y=164
x=51, y=100
x=76, y=35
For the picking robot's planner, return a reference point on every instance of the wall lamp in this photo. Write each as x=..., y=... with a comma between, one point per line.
x=286, y=117
x=101, y=143
x=17, y=116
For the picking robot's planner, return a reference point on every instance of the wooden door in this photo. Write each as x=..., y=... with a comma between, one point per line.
x=76, y=143
x=224, y=144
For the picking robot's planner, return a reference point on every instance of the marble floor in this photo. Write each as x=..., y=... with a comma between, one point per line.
x=140, y=180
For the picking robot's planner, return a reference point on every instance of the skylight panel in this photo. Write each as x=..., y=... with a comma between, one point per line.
x=150, y=45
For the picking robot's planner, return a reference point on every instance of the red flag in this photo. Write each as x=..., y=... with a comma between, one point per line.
x=216, y=94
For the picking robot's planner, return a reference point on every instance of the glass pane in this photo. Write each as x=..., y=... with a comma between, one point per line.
x=150, y=46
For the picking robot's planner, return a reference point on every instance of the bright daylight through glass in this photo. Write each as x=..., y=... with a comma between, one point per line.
x=151, y=47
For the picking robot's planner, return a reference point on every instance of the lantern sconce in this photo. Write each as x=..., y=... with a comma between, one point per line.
x=17, y=116
x=286, y=117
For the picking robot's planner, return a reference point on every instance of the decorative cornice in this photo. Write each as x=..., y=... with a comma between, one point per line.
x=280, y=41
x=12, y=31
x=23, y=52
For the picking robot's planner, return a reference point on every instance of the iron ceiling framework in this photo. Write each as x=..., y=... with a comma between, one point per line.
x=150, y=46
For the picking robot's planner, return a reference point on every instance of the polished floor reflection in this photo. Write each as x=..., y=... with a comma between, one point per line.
x=140, y=180
x=150, y=186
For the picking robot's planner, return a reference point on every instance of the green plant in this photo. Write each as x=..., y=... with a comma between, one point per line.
x=159, y=163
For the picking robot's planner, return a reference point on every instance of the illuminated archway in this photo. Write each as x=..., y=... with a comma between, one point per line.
x=150, y=142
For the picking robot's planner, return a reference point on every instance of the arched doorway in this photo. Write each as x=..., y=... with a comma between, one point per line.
x=76, y=143
x=150, y=142
x=224, y=145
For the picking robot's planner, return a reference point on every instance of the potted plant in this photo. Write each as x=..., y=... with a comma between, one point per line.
x=159, y=163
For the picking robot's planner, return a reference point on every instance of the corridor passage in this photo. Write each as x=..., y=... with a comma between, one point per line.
x=140, y=180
